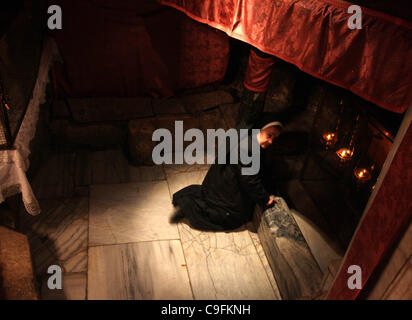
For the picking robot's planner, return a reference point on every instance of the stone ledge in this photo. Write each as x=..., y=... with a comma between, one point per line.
x=296, y=272
x=16, y=270
x=93, y=135
x=140, y=131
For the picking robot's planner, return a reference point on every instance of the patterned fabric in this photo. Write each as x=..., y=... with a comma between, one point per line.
x=373, y=62
x=204, y=54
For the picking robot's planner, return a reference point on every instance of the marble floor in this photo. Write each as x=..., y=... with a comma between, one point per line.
x=106, y=224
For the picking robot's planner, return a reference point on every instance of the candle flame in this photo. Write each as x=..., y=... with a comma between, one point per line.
x=344, y=154
x=328, y=136
x=362, y=174
x=329, y=139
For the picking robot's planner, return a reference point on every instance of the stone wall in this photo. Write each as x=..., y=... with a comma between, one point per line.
x=16, y=270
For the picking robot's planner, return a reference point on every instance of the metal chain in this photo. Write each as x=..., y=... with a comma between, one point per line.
x=4, y=122
x=3, y=93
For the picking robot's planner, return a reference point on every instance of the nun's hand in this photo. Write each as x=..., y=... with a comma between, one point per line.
x=272, y=200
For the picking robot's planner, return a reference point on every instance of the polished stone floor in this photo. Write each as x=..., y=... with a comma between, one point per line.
x=106, y=224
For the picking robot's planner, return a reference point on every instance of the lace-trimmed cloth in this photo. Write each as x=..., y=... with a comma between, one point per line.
x=14, y=163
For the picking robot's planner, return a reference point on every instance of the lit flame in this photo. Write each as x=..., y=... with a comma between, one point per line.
x=362, y=174
x=329, y=139
x=344, y=153
x=328, y=136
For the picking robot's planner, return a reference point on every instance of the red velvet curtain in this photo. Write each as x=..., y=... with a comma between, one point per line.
x=373, y=62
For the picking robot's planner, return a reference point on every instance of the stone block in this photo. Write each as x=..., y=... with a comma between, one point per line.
x=230, y=113
x=110, y=109
x=140, y=140
x=141, y=131
x=60, y=109
x=192, y=103
x=294, y=267
x=16, y=271
x=206, y=100
x=168, y=106
x=97, y=136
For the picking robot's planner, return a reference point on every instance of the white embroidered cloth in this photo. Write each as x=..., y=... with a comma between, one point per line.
x=14, y=163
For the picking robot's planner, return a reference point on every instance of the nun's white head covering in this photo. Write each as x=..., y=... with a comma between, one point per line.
x=273, y=123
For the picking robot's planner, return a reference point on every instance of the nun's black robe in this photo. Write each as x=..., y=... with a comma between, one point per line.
x=226, y=199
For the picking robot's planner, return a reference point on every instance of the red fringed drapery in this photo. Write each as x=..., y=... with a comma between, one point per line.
x=373, y=62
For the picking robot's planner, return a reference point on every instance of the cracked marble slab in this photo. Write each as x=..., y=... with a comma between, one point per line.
x=130, y=212
x=73, y=288
x=224, y=266
x=256, y=241
x=202, y=163
x=221, y=265
x=138, y=271
x=58, y=235
x=171, y=169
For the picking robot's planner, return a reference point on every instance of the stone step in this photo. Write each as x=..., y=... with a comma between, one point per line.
x=296, y=271
x=90, y=110
x=140, y=131
x=16, y=271
x=318, y=235
x=328, y=279
x=65, y=133
x=101, y=123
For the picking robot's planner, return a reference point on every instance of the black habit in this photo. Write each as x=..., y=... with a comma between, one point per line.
x=226, y=199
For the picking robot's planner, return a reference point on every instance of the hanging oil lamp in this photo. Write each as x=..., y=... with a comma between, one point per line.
x=346, y=153
x=329, y=139
x=362, y=175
